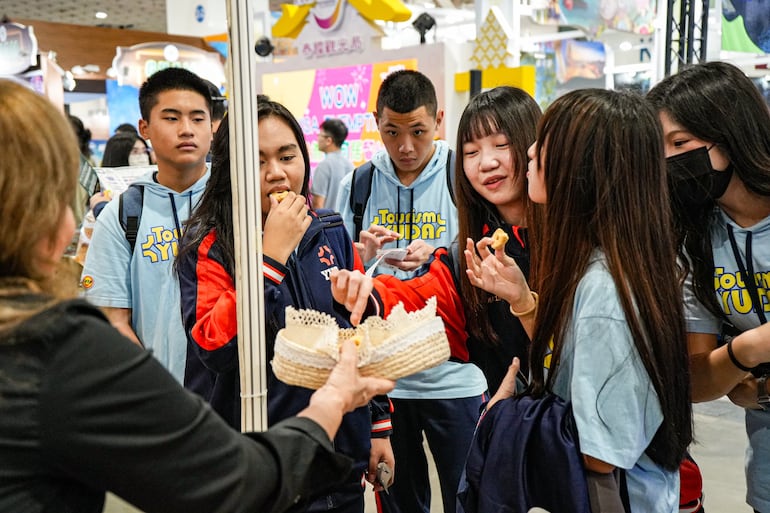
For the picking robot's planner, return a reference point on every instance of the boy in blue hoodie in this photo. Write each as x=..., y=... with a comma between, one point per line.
x=410, y=192
x=136, y=286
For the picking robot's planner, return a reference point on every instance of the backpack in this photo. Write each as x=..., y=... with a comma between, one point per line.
x=361, y=189
x=333, y=227
x=130, y=205
x=525, y=454
x=329, y=218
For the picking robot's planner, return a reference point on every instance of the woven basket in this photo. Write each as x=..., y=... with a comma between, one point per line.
x=406, y=343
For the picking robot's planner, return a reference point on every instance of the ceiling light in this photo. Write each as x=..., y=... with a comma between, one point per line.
x=625, y=46
x=100, y=14
x=171, y=53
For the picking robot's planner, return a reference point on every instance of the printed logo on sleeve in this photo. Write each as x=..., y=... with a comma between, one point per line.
x=87, y=282
x=326, y=257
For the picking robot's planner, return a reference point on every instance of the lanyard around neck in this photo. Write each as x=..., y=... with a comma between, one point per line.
x=176, y=217
x=747, y=272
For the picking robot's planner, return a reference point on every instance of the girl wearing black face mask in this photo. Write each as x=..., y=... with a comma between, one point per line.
x=716, y=127
x=694, y=182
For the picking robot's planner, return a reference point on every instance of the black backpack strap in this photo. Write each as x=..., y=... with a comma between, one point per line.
x=334, y=229
x=451, y=164
x=623, y=484
x=360, y=190
x=453, y=255
x=130, y=206
x=329, y=218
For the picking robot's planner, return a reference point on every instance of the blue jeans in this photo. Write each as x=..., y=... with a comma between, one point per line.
x=448, y=425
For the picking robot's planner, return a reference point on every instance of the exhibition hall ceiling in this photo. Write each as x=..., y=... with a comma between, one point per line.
x=149, y=15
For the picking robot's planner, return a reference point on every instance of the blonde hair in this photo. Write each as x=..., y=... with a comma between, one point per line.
x=38, y=174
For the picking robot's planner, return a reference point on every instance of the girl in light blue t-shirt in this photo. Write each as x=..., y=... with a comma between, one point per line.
x=610, y=329
x=716, y=129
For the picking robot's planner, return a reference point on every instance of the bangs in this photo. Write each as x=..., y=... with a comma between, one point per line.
x=481, y=125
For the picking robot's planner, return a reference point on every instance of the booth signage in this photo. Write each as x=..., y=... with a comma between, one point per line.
x=348, y=93
x=324, y=28
x=331, y=47
x=18, y=48
x=134, y=64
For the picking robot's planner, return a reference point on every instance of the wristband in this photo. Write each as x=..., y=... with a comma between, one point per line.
x=529, y=312
x=733, y=358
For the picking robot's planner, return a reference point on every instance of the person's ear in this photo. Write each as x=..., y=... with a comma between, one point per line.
x=439, y=118
x=376, y=117
x=143, y=126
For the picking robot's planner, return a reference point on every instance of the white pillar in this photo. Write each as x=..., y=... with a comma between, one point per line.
x=247, y=215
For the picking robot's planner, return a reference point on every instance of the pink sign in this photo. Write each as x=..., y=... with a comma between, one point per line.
x=348, y=93
x=343, y=93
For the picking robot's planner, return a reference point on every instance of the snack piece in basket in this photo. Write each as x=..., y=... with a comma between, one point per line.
x=307, y=349
x=499, y=239
x=280, y=196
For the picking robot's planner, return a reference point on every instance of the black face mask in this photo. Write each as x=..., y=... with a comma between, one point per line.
x=692, y=179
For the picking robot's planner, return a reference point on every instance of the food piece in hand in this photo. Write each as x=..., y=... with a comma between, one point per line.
x=499, y=239
x=280, y=196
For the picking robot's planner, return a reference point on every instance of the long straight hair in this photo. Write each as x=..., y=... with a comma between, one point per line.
x=601, y=153
x=718, y=103
x=515, y=114
x=215, y=211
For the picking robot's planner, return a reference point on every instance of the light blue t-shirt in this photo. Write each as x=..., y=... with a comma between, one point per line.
x=616, y=409
x=423, y=210
x=734, y=297
x=144, y=280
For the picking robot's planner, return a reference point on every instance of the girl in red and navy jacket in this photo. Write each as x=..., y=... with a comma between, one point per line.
x=495, y=130
x=494, y=133
x=301, y=249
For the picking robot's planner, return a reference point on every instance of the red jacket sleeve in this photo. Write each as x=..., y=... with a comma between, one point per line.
x=209, y=309
x=434, y=279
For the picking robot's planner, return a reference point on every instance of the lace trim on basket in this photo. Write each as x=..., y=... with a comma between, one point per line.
x=313, y=338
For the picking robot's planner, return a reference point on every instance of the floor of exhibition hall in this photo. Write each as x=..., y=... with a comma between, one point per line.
x=719, y=450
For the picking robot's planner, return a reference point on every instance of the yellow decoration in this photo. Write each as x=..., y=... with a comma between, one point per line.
x=292, y=20
x=291, y=88
x=385, y=10
x=490, y=54
x=522, y=77
x=491, y=49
